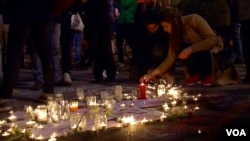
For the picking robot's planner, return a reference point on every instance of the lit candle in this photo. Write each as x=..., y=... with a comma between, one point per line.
x=73, y=106
x=122, y=105
x=142, y=90
x=2, y=122
x=52, y=139
x=161, y=90
x=12, y=118
x=174, y=102
x=5, y=134
x=165, y=107
x=40, y=137
x=93, y=128
x=41, y=113
x=163, y=116
x=144, y=120
x=73, y=126
x=103, y=125
x=30, y=123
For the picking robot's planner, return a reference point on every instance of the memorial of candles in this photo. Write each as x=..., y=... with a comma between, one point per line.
x=94, y=117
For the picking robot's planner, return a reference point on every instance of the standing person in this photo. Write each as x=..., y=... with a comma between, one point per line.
x=99, y=23
x=2, y=40
x=194, y=42
x=68, y=36
x=25, y=16
x=126, y=28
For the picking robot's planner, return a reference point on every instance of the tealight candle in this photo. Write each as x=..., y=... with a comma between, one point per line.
x=173, y=102
x=52, y=139
x=30, y=123
x=2, y=122
x=5, y=134
x=40, y=137
x=163, y=116
x=91, y=100
x=12, y=118
x=144, y=120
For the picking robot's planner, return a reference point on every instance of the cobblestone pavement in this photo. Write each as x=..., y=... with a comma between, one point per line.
x=220, y=107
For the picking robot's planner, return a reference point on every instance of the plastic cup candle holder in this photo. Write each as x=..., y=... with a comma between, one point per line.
x=91, y=101
x=73, y=106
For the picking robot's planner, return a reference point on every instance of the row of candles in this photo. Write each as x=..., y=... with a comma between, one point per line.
x=78, y=121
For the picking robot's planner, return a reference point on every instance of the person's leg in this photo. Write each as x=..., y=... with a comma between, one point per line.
x=36, y=66
x=120, y=36
x=78, y=48
x=4, y=45
x=66, y=39
x=17, y=37
x=44, y=48
x=1, y=45
x=245, y=30
x=199, y=66
x=94, y=37
x=55, y=49
x=106, y=32
x=237, y=43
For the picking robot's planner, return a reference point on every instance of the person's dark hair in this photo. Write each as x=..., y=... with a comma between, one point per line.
x=173, y=16
x=151, y=16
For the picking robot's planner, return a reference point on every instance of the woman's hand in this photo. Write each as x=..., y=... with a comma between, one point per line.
x=150, y=76
x=185, y=53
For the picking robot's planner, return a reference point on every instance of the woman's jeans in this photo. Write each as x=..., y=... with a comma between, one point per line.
x=36, y=61
x=77, y=40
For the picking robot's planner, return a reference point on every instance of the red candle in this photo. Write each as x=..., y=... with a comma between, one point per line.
x=142, y=90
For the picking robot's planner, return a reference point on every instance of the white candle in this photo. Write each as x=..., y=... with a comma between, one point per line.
x=40, y=137
x=52, y=139
x=2, y=122
x=163, y=116
x=30, y=123
x=144, y=120
x=12, y=118
x=5, y=134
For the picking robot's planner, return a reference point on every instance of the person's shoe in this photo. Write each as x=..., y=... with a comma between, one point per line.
x=65, y=81
x=38, y=85
x=194, y=79
x=66, y=78
x=207, y=81
x=5, y=105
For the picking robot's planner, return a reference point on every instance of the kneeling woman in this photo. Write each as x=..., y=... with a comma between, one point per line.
x=194, y=42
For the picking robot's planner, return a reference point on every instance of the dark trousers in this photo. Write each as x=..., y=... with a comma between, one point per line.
x=17, y=38
x=66, y=45
x=199, y=63
x=99, y=39
x=125, y=32
x=245, y=32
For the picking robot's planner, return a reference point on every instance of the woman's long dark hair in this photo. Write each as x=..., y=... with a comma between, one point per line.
x=173, y=16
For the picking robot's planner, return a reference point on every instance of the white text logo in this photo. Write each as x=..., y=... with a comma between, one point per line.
x=236, y=132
